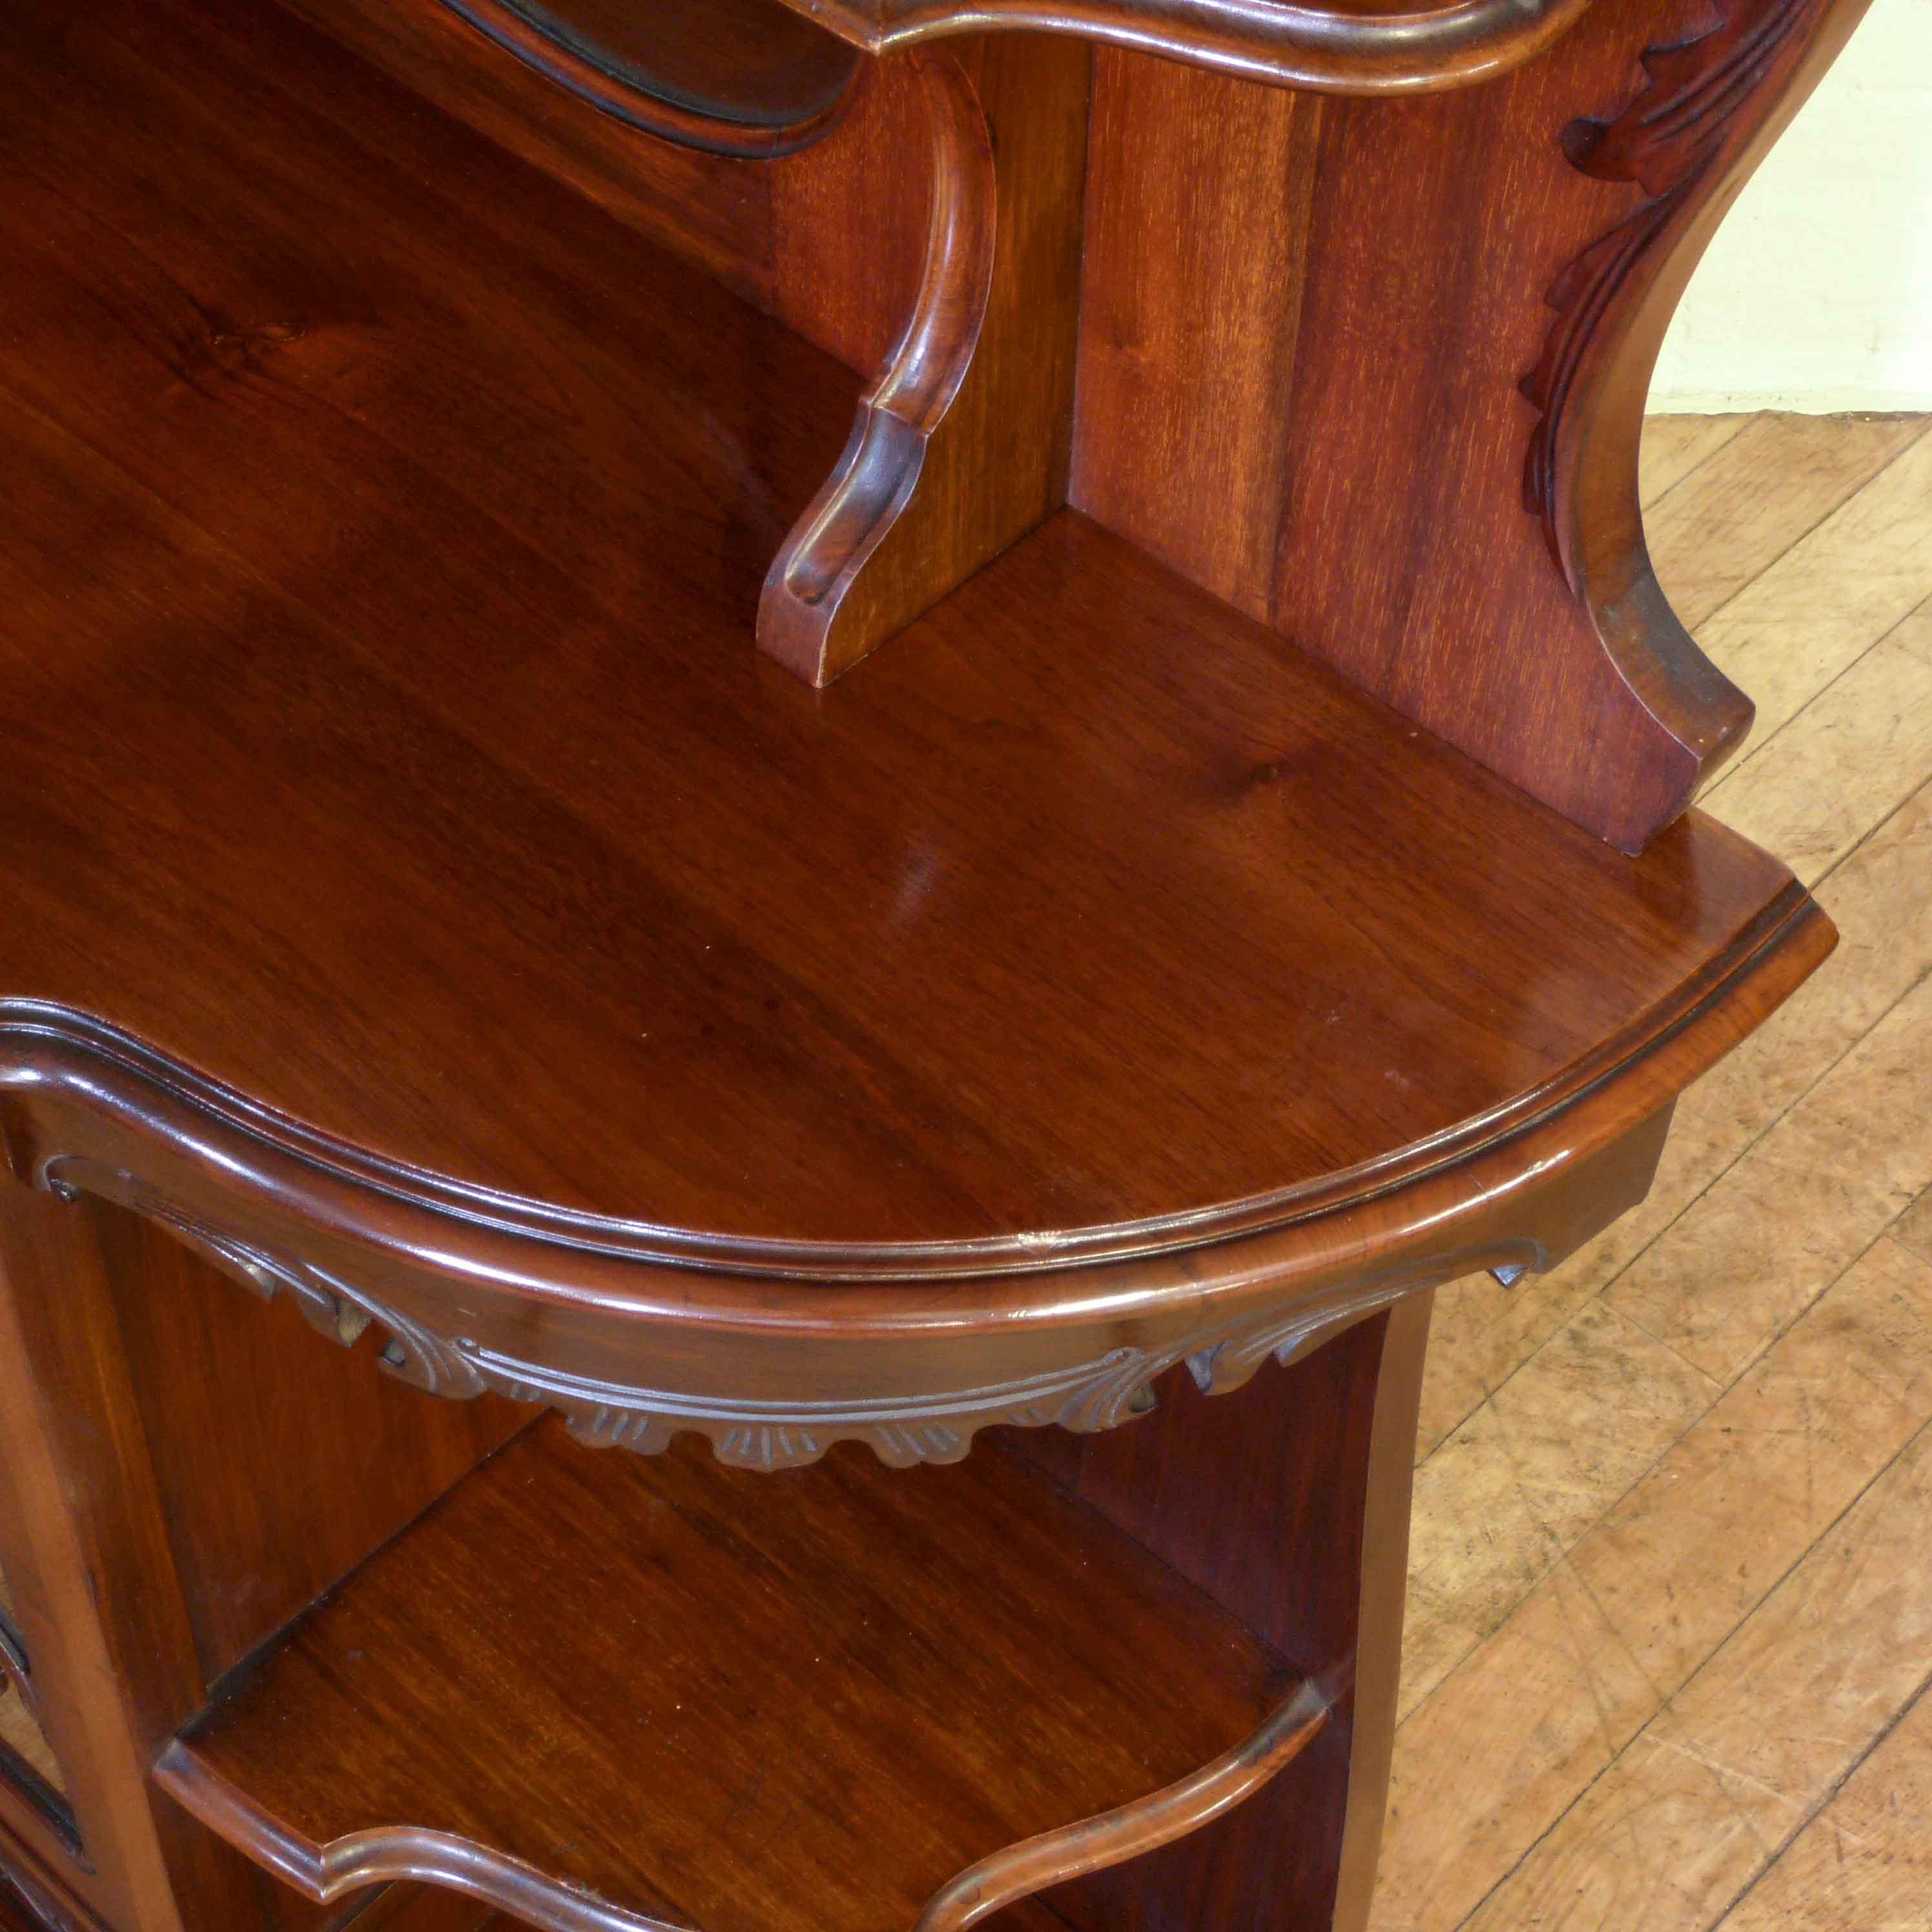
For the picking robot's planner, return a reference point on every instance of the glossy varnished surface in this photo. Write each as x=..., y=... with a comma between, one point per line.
x=401, y=645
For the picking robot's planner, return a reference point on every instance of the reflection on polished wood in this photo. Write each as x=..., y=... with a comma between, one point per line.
x=463, y=1005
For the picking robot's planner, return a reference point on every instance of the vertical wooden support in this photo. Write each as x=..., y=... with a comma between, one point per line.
x=1325, y=340
x=963, y=443
x=1391, y=1483
x=1289, y=1504
x=854, y=569
x=92, y=1575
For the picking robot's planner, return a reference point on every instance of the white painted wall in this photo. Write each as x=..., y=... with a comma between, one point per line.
x=1816, y=294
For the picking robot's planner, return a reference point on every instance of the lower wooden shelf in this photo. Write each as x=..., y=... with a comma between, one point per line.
x=608, y=1690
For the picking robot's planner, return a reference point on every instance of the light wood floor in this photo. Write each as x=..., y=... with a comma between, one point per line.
x=1670, y=1621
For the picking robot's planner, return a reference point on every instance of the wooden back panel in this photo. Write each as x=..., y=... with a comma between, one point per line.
x=1374, y=370
x=836, y=239
x=280, y=1462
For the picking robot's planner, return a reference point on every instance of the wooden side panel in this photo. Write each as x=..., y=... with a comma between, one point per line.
x=1261, y=1499
x=842, y=256
x=1199, y=188
x=1000, y=466
x=280, y=1462
x=1303, y=355
x=811, y=237
x=94, y=1581
x=712, y=209
x=1288, y=1504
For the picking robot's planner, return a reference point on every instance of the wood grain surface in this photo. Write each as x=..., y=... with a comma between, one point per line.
x=428, y=914
x=411, y=722
x=1374, y=370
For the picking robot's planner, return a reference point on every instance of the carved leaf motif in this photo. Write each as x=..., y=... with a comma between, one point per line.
x=1666, y=141
x=1673, y=126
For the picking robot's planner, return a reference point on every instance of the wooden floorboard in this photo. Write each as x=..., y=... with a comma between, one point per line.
x=1671, y=1617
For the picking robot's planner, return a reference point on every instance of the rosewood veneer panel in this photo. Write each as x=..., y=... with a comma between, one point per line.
x=730, y=1700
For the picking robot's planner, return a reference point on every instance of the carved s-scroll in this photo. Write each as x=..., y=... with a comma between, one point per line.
x=810, y=617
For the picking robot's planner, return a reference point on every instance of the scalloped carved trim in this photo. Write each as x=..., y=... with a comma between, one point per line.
x=1668, y=140
x=1334, y=50
x=815, y=572
x=745, y=1433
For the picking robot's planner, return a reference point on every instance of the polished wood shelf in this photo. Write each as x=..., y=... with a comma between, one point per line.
x=724, y=1700
x=467, y=314
x=423, y=572
x=1001, y=756
x=1092, y=921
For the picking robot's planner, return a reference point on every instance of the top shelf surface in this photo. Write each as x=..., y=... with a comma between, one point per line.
x=381, y=738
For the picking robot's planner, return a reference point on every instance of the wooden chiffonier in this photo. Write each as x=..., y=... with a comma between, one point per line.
x=799, y=800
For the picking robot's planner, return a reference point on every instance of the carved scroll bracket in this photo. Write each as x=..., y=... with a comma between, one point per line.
x=812, y=616
x=1708, y=108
